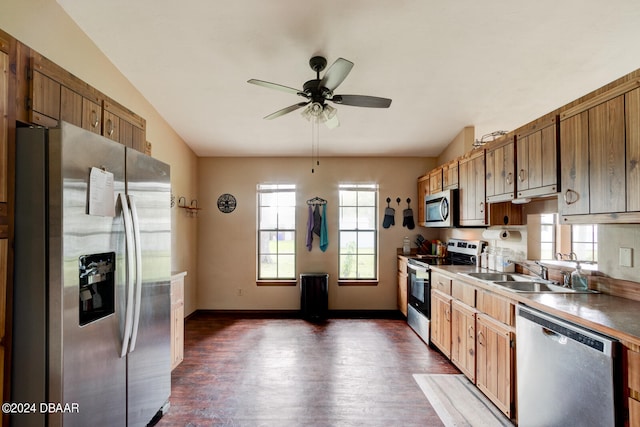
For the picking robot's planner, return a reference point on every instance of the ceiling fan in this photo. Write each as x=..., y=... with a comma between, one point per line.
x=318, y=91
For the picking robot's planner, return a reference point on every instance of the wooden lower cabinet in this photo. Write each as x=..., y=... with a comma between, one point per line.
x=463, y=338
x=402, y=285
x=494, y=362
x=441, y=321
x=633, y=382
x=177, y=319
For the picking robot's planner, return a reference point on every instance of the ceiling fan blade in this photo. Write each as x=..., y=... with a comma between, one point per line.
x=362, y=101
x=336, y=74
x=286, y=110
x=276, y=86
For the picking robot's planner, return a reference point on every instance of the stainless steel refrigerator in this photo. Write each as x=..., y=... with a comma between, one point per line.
x=91, y=325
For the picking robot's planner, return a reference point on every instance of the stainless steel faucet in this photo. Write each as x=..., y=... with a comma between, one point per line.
x=543, y=273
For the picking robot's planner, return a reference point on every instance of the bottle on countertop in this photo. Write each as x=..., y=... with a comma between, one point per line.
x=578, y=280
x=406, y=246
x=484, y=260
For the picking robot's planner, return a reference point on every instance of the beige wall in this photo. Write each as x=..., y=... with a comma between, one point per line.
x=227, y=242
x=44, y=26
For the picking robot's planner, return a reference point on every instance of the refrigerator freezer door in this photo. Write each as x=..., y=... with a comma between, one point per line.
x=149, y=364
x=82, y=363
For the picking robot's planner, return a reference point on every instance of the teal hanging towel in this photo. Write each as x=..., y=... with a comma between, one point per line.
x=324, y=237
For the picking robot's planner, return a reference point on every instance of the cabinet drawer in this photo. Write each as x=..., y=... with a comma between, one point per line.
x=496, y=306
x=441, y=282
x=463, y=292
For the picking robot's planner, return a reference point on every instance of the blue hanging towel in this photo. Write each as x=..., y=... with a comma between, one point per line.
x=310, y=229
x=324, y=237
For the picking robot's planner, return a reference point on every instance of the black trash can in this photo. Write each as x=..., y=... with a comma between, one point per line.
x=314, y=295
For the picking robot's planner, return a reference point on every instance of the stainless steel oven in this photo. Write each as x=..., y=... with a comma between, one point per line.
x=419, y=298
x=441, y=209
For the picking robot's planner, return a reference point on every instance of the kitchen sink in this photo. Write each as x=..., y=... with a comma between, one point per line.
x=501, y=277
x=539, y=287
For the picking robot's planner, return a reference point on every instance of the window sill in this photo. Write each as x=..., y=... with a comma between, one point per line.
x=357, y=283
x=291, y=282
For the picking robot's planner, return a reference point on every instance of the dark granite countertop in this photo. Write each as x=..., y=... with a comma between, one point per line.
x=611, y=315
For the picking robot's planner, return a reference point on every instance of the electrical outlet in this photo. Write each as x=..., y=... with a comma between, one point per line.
x=626, y=257
x=239, y=292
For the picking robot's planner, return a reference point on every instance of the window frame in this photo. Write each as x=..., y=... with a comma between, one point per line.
x=593, y=242
x=267, y=188
x=359, y=187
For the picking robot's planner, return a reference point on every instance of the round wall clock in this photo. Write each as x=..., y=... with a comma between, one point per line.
x=226, y=203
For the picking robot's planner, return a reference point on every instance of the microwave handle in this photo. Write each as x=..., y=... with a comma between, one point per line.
x=444, y=208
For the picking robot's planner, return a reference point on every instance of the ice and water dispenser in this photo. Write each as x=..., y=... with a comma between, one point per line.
x=97, y=286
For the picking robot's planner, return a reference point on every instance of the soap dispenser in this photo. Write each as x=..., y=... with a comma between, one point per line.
x=578, y=280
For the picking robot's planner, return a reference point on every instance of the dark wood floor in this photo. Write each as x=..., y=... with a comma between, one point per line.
x=256, y=371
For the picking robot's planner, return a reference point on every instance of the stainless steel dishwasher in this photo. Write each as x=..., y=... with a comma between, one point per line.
x=566, y=373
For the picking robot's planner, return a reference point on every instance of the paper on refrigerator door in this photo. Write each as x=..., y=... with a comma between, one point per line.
x=101, y=193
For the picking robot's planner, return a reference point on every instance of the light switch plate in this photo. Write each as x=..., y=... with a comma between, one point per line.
x=626, y=257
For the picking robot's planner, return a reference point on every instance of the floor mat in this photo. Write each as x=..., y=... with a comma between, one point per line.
x=458, y=402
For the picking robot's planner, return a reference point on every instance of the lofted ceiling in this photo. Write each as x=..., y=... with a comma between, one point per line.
x=494, y=64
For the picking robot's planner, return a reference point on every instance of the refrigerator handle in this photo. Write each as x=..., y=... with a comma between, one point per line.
x=128, y=318
x=138, y=282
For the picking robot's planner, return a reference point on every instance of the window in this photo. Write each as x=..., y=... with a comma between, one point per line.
x=547, y=236
x=584, y=242
x=358, y=233
x=276, y=232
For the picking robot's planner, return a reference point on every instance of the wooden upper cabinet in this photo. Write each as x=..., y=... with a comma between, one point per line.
x=537, y=159
x=4, y=126
x=56, y=94
x=471, y=185
x=607, y=157
x=79, y=111
x=435, y=180
x=450, y=175
x=600, y=150
x=574, y=172
x=45, y=100
x=632, y=122
x=500, y=174
x=423, y=192
x=123, y=126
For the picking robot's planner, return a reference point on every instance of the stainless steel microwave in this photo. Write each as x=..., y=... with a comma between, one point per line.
x=441, y=209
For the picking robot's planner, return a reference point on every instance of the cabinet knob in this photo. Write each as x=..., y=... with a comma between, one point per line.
x=510, y=178
x=480, y=338
x=481, y=207
x=470, y=330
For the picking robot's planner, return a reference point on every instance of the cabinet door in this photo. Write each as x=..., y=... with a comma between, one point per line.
x=463, y=338
x=472, y=190
x=441, y=322
x=111, y=126
x=402, y=293
x=435, y=181
x=632, y=105
x=91, y=116
x=494, y=369
x=607, y=157
x=423, y=192
x=70, y=106
x=537, y=161
x=4, y=126
x=45, y=100
x=450, y=175
x=500, y=173
x=574, y=171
